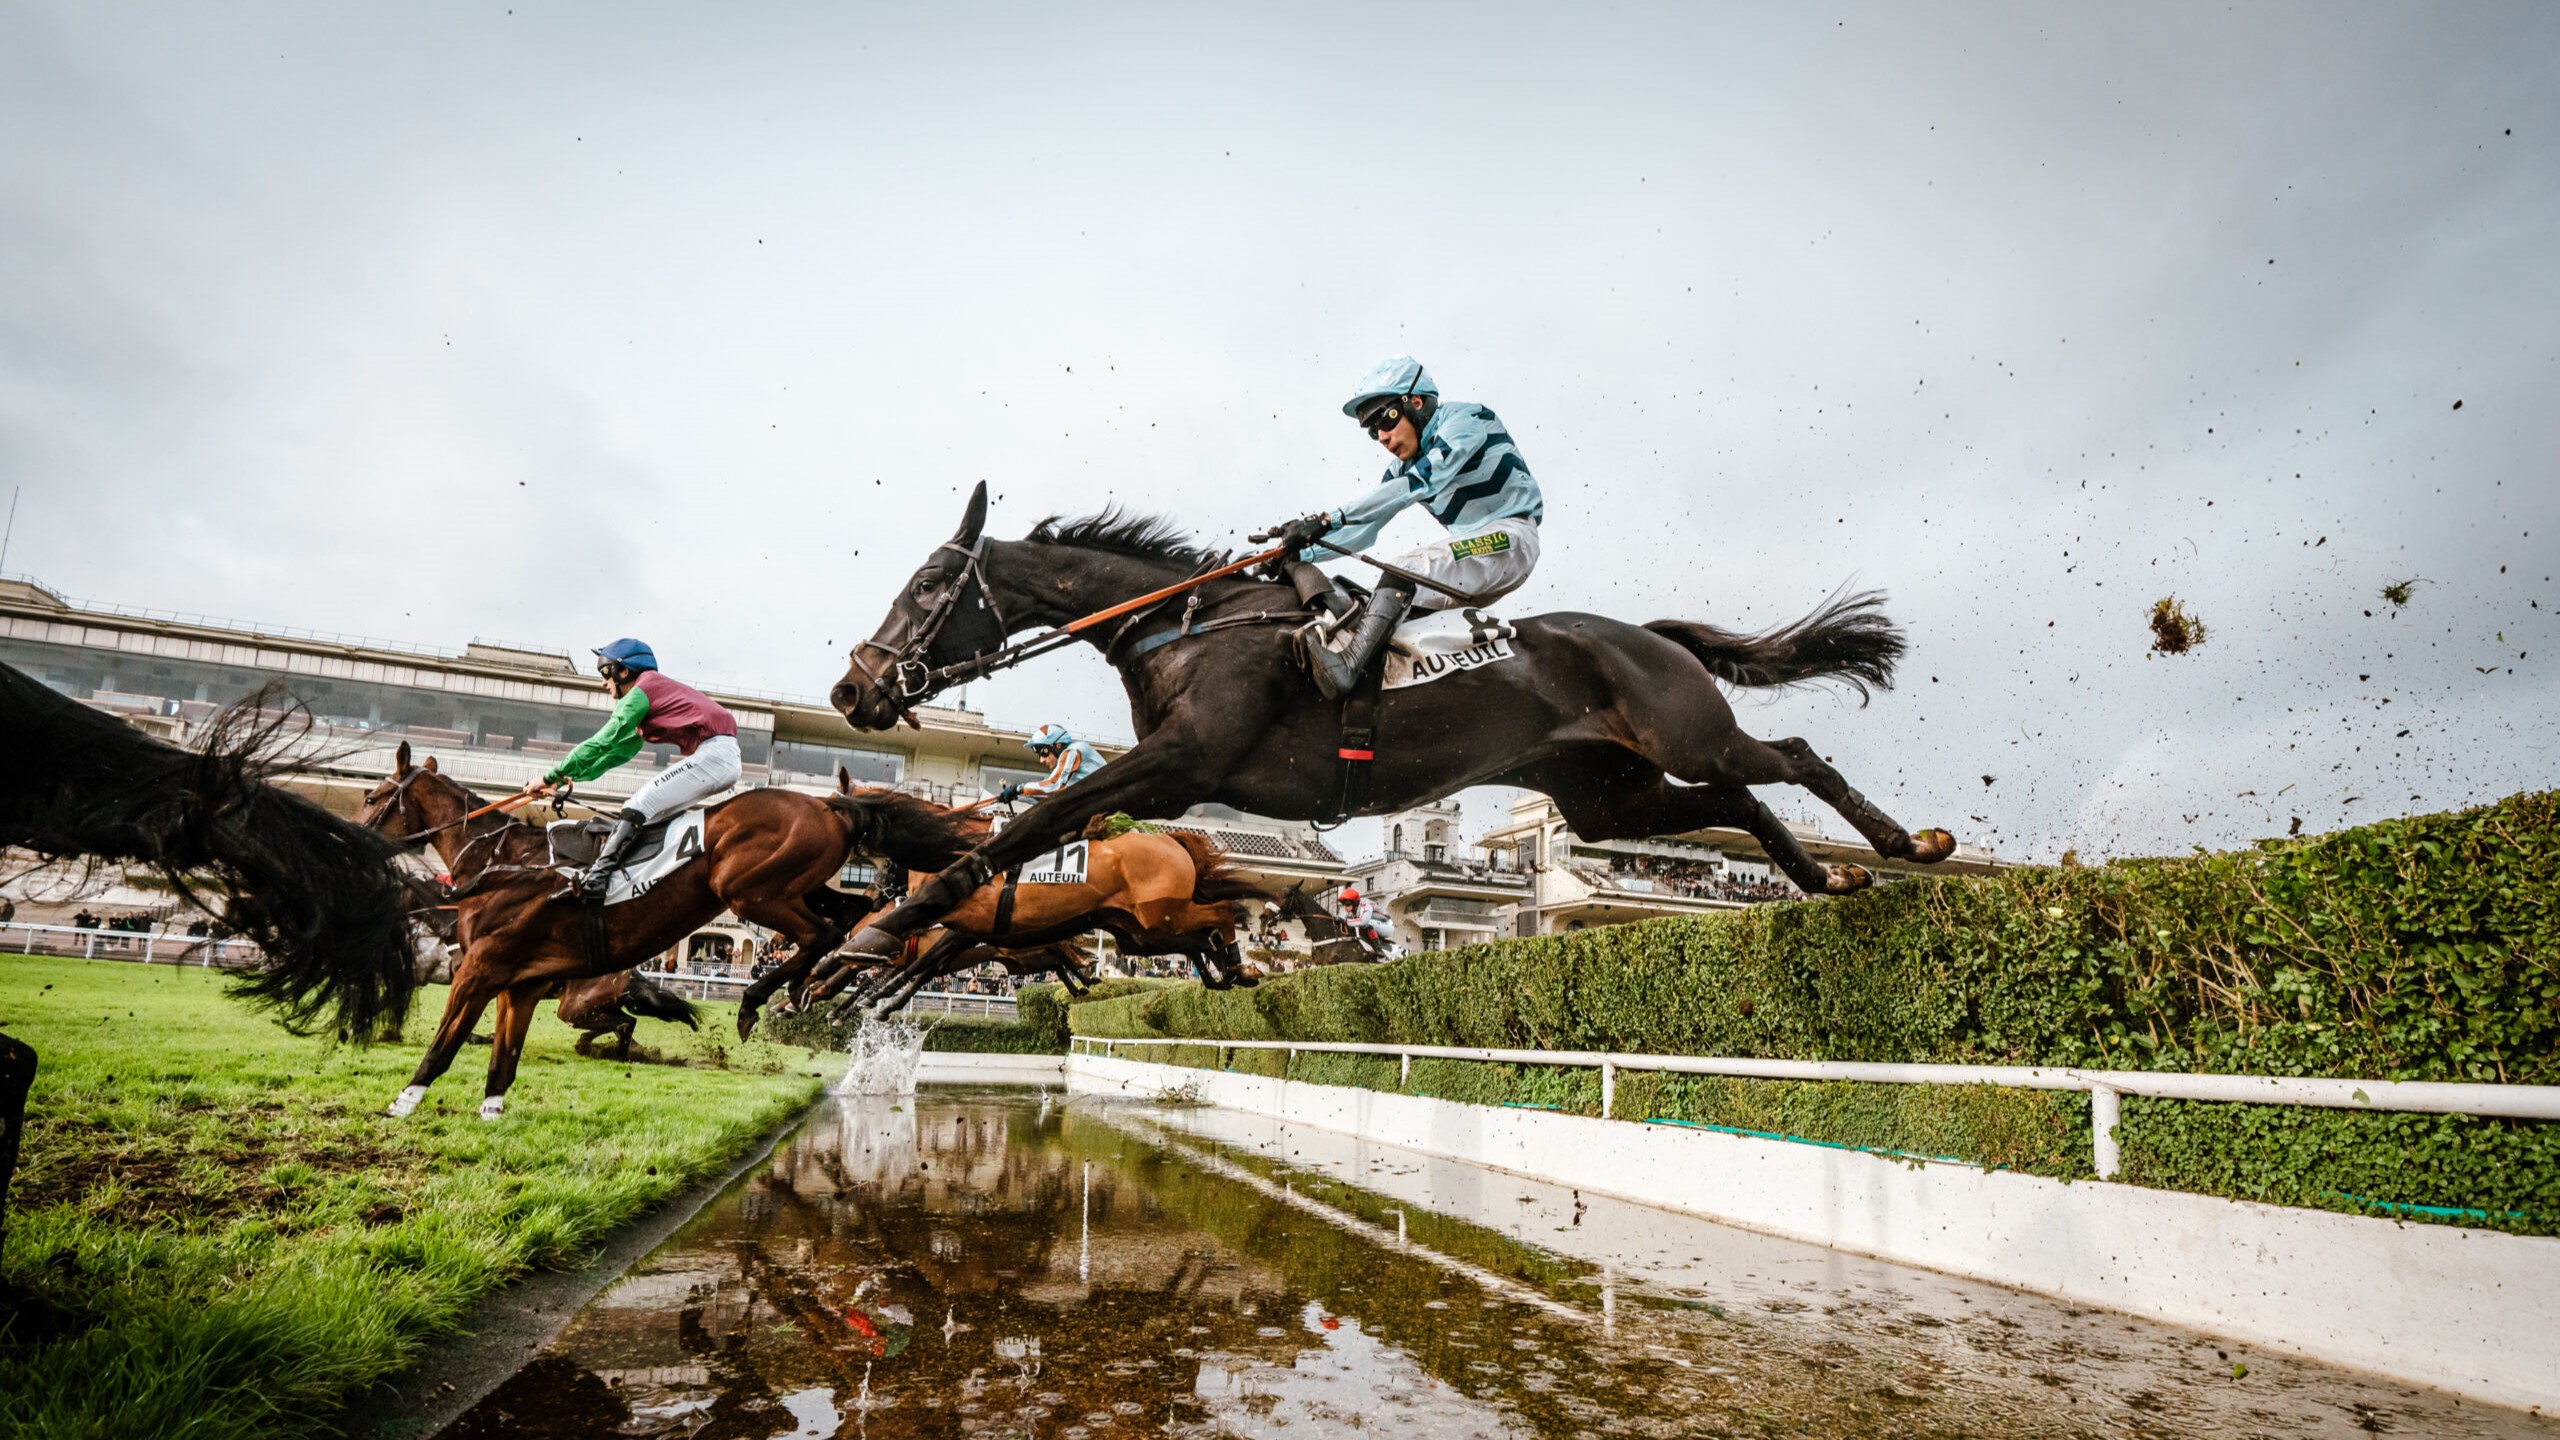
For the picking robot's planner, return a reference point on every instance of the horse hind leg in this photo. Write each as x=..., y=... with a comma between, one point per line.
x=514, y=1022
x=1794, y=761
x=1921, y=847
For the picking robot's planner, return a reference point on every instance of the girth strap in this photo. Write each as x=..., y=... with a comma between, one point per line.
x=1357, y=748
x=1004, y=900
x=592, y=921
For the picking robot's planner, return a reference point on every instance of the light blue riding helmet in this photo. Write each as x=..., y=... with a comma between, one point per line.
x=1402, y=375
x=1049, y=737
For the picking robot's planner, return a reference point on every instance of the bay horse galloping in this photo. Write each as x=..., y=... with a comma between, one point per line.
x=1623, y=725
x=323, y=900
x=766, y=853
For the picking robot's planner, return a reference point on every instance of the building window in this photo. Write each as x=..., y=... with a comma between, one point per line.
x=1396, y=845
x=819, y=762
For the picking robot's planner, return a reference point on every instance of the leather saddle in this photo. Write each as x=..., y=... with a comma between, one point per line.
x=575, y=843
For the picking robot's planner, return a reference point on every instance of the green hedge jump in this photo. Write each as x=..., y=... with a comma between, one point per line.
x=2419, y=949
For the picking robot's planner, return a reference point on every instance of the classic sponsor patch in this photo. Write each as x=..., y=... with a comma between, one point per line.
x=1491, y=542
x=1445, y=643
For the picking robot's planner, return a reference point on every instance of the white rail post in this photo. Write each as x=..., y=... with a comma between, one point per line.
x=1404, y=1076
x=2106, y=1107
x=1222, y=1059
x=1608, y=1088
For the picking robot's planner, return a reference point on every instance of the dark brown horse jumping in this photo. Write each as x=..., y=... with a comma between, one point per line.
x=1622, y=724
x=765, y=853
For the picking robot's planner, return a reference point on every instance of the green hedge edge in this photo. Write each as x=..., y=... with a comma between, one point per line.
x=2425, y=948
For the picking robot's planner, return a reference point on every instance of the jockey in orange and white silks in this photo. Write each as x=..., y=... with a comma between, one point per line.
x=1069, y=760
x=649, y=708
x=1458, y=463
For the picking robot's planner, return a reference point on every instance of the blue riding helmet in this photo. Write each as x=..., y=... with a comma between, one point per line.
x=1049, y=737
x=629, y=654
x=1402, y=375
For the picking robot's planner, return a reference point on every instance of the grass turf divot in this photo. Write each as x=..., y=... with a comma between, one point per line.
x=222, y=1237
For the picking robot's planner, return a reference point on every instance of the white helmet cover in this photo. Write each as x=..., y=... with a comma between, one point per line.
x=1401, y=375
x=1047, y=736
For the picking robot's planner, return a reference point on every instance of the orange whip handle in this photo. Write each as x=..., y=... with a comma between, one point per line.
x=1151, y=597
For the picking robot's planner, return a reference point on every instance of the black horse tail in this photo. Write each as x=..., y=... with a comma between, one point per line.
x=322, y=897
x=648, y=998
x=1847, y=638
x=1216, y=877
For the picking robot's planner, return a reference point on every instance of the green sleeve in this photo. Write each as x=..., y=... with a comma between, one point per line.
x=618, y=741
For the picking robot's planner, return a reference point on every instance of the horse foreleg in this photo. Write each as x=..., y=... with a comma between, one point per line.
x=472, y=990
x=17, y=1076
x=1163, y=774
x=514, y=1020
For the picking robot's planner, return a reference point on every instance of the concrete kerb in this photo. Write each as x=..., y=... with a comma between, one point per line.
x=2472, y=1312
x=512, y=1324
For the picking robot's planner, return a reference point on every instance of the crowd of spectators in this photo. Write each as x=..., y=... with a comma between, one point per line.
x=137, y=922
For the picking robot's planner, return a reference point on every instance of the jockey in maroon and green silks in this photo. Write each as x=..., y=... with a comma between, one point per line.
x=649, y=709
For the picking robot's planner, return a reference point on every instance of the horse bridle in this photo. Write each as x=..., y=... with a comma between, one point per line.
x=909, y=678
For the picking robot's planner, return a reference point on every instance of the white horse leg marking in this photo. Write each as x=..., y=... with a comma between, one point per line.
x=406, y=1101
x=493, y=1107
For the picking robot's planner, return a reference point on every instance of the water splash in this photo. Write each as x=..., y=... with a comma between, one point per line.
x=885, y=1056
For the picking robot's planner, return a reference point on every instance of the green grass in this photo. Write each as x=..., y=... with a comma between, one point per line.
x=222, y=1237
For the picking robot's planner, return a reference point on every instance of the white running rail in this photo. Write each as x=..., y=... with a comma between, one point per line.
x=98, y=943
x=2106, y=1088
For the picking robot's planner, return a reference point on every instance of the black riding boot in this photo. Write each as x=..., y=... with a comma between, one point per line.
x=1338, y=675
x=626, y=828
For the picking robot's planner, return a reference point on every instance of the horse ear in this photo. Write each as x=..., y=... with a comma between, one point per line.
x=400, y=759
x=430, y=765
x=974, y=519
x=844, y=781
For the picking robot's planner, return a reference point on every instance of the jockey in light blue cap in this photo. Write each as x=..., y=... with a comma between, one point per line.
x=1070, y=760
x=1456, y=461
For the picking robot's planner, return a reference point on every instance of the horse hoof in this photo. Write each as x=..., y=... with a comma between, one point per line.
x=1930, y=846
x=746, y=1023
x=1847, y=879
x=873, y=941
x=493, y=1107
x=405, y=1102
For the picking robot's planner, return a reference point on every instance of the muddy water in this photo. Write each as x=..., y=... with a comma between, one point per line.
x=985, y=1263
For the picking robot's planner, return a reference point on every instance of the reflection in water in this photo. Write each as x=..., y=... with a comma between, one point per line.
x=981, y=1264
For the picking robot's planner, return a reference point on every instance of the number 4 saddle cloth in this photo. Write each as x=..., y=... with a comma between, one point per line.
x=657, y=852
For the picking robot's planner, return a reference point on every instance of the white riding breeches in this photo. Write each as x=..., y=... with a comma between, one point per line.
x=710, y=769
x=1489, y=563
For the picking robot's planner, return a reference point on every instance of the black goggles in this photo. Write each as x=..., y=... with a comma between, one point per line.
x=1382, y=418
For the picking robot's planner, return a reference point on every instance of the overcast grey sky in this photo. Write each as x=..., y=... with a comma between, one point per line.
x=553, y=323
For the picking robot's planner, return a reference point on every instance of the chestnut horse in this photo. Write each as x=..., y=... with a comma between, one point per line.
x=767, y=854
x=1154, y=893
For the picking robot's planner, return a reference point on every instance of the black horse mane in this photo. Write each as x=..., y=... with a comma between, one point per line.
x=906, y=830
x=1145, y=537
x=320, y=896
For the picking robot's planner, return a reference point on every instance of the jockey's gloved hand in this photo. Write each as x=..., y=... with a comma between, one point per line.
x=1298, y=534
x=1008, y=794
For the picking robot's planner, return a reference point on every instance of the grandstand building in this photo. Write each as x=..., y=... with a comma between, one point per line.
x=1577, y=883
x=496, y=715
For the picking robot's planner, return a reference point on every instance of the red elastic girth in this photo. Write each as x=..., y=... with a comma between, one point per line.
x=1355, y=755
